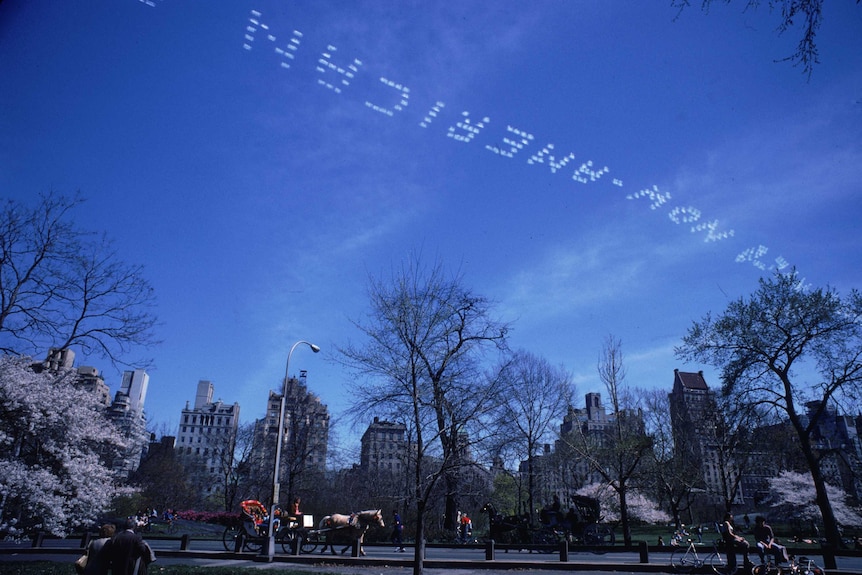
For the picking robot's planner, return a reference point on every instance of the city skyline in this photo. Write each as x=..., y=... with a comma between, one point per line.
x=595, y=168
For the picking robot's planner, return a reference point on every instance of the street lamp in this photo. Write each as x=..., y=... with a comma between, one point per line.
x=276, y=470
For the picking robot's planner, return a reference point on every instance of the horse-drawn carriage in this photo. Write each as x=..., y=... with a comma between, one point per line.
x=584, y=522
x=581, y=524
x=344, y=529
x=253, y=531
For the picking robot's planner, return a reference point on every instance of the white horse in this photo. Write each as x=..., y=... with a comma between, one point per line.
x=340, y=528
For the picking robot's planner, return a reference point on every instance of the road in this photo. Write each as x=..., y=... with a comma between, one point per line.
x=385, y=559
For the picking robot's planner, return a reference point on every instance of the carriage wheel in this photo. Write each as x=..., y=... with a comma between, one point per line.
x=286, y=538
x=310, y=542
x=596, y=534
x=254, y=544
x=229, y=538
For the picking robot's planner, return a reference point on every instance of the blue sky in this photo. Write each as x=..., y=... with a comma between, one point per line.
x=259, y=198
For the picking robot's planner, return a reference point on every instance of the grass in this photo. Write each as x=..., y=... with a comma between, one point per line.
x=53, y=568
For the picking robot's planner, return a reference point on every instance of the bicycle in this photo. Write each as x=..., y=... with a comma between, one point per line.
x=687, y=559
x=721, y=566
x=801, y=566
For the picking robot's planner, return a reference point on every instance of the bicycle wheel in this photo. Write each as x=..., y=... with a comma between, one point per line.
x=719, y=564
x=229, y=538
x=809, y=568
x=683, y=560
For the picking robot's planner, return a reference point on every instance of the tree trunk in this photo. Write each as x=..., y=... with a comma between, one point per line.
x=419, y=548
x=830, y=524
x=451, y=509
x=531, y=487
x=624, y=515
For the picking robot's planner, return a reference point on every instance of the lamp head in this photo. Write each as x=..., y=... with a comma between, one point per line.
x=314, y=348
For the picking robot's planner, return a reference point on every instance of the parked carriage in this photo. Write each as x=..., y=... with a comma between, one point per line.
x=581, y=524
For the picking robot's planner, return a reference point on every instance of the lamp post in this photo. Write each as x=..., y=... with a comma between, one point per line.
x=277, y=468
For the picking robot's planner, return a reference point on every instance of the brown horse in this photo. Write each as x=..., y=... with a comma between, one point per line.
x=346, y=529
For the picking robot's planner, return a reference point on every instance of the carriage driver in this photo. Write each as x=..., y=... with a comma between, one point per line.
x=294, y=514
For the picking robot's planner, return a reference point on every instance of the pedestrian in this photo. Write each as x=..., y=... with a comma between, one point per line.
x=466, y=528
x=129, y=553
x=397, y=530
x=699, y=533
x=99, y=551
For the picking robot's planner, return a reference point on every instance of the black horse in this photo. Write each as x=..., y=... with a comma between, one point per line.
x=508, y=528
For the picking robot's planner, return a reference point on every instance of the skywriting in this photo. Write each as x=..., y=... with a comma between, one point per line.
x=349, y=76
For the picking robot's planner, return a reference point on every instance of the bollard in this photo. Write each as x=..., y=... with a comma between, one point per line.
x=296, y=544
x=238, y=542
x=564, y=551
x=489, y=551
x=38, y=538
x=354, y=551
x=185, y=540
x=85, y=539
x=644, y=551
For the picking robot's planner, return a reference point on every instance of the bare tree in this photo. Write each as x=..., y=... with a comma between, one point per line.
x=425, y=338
x=233, y=465
x=674, y=477
x=306, y=432
x=763, y=342
x=808, y=12
x=616, y=450
x=167, y=481
x=63, y=287
x=533, y=397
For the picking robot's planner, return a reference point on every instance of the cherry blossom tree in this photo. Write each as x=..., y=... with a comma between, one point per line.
x=52, y=440
x=792, y=496
x=640, y=507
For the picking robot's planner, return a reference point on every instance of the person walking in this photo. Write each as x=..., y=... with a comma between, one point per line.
x=129, y=552
x=397, y=530
x=99, y=551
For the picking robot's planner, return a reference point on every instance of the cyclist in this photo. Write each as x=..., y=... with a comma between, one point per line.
x=765, y=539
